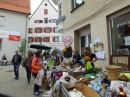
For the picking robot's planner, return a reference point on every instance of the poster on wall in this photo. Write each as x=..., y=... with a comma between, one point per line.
x=14, y=36
x=4, y=34
x=127, y=40
x=68, y=40
x=97, y=39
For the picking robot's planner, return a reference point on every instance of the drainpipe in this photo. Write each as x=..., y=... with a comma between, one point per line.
x=26, y=26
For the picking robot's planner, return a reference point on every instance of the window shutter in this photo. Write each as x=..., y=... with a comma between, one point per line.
x=35, y=30
x=50, y=21
x=32, y=39
x=50, y=29
x=43, y=39
x=53, y=29
x=45, y=11
x=41, y=30
x=28, y=30
x=41, y=21
x=53, y=39
x=48, y=39
x=44, y=29
x=36, y=39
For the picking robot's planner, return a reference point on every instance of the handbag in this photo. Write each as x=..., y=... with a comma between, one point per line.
x=24, y=64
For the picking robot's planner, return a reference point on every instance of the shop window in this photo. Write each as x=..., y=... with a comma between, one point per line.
x=76, y=3
x=29, y=39
x=45, y=11
x=38, y=39
x=45, y=20
x=0, y=43
x=30, y=30
x=120, y=34
x=2, y=19
x=47, y=29
x=56, y=39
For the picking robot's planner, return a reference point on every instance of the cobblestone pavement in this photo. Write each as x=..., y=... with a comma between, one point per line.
x=15, y=88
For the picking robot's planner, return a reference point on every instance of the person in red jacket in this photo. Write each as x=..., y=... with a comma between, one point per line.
x=37, y=64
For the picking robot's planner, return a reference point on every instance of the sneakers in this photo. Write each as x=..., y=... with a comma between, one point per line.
x=36, y=93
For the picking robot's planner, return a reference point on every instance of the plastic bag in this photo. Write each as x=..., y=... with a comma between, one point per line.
x=88, y=66
x=39, y=77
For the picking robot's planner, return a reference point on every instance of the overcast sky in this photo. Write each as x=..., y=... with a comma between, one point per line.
x=36, y=3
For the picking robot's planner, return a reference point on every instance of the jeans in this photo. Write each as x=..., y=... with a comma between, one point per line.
x=36, y=87
x=16, y=70
x=28, y=73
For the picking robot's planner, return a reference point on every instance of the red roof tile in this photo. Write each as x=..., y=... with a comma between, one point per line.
x=22, y=6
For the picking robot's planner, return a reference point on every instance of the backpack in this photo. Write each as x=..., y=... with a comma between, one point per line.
x=30, y=65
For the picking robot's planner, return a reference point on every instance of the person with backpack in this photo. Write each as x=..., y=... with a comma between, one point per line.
x=28, y=61
x=37, y=64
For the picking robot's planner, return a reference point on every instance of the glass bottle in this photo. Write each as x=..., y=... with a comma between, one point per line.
x=122, y=93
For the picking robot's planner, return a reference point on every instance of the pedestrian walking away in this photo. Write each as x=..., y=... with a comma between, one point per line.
x=16, y=61
x=28, y=61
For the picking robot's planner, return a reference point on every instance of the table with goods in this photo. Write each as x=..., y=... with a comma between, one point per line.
x=75, y=80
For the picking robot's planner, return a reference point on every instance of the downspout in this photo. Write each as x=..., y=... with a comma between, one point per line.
x=26, y=26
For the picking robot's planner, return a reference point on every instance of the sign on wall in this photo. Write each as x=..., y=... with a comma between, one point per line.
x=68, y=40
x=14, y=36
x=4, y=34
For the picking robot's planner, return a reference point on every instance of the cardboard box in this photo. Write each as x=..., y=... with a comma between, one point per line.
x=87, y=91
x=84, y=80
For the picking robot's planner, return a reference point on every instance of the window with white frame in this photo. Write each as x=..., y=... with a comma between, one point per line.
x=39, y=21
x=53, y=20
x=47, y=39
x=0, y=43
x=2, y=19
x=47, y=29
x=29, y=39
x=45, y=20
x=76, y=3
x=38, y=39
x=56, y=39
x=30, y=30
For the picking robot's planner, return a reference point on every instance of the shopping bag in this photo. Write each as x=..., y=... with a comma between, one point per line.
x=88, y=66
x=39, y=77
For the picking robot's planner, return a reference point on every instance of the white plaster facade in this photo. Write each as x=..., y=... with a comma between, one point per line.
x=91, y=17
x=40, y=15
x=13, y=21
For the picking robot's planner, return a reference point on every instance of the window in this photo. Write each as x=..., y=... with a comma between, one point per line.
x=38, y=39
x=53, y=20
x=76, y=3
x=55, y=29
x=45, y=4
x=0, y=43
x=47, y=39
x=45, y=11
x=38, y=30
x=45, y=20
x=47, y=29
x=2, y=19
x=29, y=39
x=120, y=34
x=38, y=21
x=56, y=39
x=30, y=30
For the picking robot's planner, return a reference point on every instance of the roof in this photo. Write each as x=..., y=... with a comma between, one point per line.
x=22, y=6
x=40, y=5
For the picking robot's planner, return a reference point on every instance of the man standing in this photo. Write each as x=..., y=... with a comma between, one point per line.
x=4, y=60
x=16, y=61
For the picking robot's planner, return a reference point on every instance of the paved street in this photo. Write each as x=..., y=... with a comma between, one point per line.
x=15, y=88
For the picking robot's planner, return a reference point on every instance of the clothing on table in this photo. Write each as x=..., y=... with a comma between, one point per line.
x=92, y=56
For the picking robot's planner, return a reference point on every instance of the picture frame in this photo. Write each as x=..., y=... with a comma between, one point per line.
x=121, y=60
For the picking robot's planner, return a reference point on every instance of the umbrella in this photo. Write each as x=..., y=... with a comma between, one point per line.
x=40, y=46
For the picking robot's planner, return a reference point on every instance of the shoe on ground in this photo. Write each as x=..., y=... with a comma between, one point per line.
x=15, y=77
x=40, y=91
x=36, y=93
